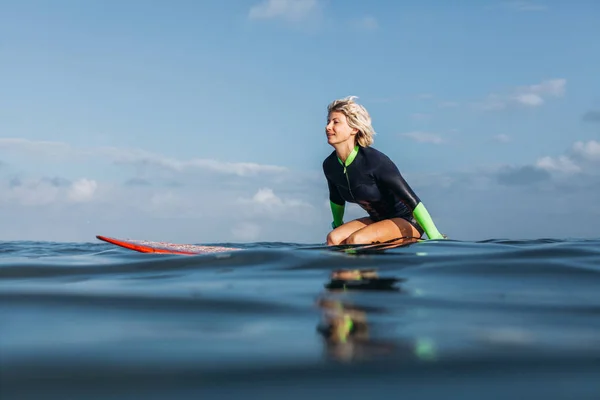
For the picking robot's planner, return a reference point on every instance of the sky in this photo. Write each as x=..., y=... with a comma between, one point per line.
x=203, y=121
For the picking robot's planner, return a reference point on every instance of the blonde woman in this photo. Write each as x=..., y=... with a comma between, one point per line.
x=358, y=173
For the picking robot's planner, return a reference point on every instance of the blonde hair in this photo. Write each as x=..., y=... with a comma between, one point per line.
x=358, y=118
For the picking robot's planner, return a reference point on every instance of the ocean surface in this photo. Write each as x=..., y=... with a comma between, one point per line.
x=498, y=319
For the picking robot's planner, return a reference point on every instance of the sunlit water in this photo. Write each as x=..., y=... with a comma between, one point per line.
x=495, y=319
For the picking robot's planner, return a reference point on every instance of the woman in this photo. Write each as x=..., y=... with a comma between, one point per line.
x=358, y=173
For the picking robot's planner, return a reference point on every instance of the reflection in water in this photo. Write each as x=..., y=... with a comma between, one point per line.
x=348, y=334
x=361, y=279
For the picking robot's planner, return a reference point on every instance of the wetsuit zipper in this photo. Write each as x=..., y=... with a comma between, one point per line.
x=348, y=181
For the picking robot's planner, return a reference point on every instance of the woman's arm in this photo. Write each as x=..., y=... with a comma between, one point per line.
x=390, y=176
x=337, y=205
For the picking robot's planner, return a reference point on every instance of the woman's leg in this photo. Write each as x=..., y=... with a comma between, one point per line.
x=341, y=233
x=382, y=231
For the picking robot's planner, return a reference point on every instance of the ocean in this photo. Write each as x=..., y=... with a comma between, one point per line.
x=497, y=319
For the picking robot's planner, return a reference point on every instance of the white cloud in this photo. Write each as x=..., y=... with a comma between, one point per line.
x=31, y=192
x=266, y=204
x=589, y=151
x=424, y=137
x=582, y=157
x=35, y=192
x=138, y=157
x=82, y=190
x=529, y=99
x=38, y=148
x=240, y=168
x=290, y=10
x=267, y=197
x=266, y=200
x=527, y=96
x=558, y=164
x=58, y=151
x=553, y=87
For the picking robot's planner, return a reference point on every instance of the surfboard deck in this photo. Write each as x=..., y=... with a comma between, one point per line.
x=146, y=246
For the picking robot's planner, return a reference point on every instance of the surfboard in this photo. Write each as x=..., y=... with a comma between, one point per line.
x=146, y=246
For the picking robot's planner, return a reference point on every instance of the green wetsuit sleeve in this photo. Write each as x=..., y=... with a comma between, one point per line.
x=337, y=204
x=338, y=214
x=424, y=219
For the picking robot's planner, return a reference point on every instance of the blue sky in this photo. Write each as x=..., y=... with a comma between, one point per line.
x=203, y=121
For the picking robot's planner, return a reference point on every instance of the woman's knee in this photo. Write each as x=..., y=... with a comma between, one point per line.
x=334, y=238
x=357, y=237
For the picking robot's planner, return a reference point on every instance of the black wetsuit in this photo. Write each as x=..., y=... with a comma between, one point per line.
x=373, y=182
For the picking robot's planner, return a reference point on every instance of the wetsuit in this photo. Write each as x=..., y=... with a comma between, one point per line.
x=371, y=180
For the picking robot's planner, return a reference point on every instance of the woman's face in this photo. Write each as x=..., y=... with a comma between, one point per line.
x=338, y=130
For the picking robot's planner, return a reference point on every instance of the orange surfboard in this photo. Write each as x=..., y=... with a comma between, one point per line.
x=146, y=246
